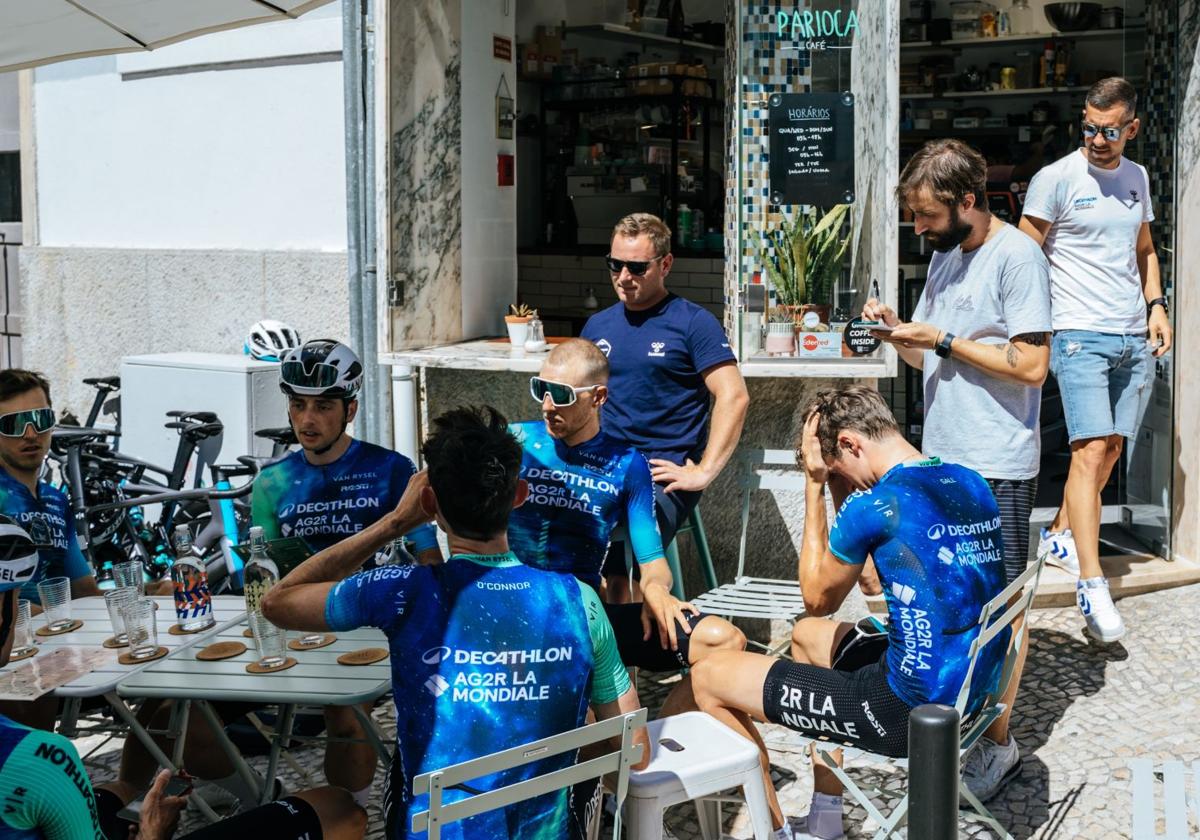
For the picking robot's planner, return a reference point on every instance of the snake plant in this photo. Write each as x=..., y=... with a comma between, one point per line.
x=808, y=254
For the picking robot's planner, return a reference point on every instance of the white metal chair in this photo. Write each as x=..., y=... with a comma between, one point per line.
x=695, y=757
x=752, y=597
x=993, y=618
x=1175, y=799
x=459, y=776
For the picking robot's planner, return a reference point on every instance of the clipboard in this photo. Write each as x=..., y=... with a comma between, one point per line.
x=287, y=552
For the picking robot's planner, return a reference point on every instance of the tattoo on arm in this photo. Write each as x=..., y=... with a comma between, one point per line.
x=1010, y=354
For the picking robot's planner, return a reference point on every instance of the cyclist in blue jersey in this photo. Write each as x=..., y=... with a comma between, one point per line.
x=487, y=653
x=933, y=531
x=26, y=420
x=333, y=487
x=47, y=794
x=582, y=484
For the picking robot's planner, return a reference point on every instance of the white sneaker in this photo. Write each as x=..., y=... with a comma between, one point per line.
x=797, y=829
x=1058, y=547
x=991, y=766
x=223, y=803
x=1104, y=623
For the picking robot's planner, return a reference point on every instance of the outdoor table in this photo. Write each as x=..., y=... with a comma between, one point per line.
x=102, y=682
x=316, y=680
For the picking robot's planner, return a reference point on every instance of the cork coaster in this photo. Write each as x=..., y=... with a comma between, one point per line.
x=111, y=642
x=17, y=657
x=248, y=633
x=255, y=668
x=365, y=656
x=324, y=641
x=176, y=630
x=46, y=631
x=221, y=650
x=127, y=657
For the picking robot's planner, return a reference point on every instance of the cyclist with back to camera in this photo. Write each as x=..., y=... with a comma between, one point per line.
x=332, y=488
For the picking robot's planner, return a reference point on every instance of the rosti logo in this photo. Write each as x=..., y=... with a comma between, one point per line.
x=604, y=346
x=433, y=656
x=936, y=532
x=811, y=342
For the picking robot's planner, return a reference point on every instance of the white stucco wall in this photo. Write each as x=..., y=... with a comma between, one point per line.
x=229, y=159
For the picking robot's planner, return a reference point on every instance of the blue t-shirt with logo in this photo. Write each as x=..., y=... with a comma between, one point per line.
x=486, y=654
x=933, y=530
x=324, y=504
x=657, y=398
x=48, y=520
x=577, y=495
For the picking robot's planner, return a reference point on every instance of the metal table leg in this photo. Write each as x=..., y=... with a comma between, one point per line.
x=138, y=731
x=69, y=717
x=231, y=750
x=373, y=735
x=287, y=717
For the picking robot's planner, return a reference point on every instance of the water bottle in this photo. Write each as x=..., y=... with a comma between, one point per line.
x=260, y=573
x=193, y=601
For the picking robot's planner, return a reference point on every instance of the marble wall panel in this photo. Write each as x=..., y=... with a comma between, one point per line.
x=425, y=274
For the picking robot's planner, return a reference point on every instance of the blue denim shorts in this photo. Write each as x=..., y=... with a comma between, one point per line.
x=1104, y=380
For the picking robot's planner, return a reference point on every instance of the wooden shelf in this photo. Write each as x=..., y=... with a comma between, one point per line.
x=978, y=94
x=1089, y=35
x=616, y=32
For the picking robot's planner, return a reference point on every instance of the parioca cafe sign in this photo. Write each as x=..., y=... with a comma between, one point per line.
x=817, y=29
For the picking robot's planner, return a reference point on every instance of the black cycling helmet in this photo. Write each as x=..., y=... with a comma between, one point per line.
x=321, y=368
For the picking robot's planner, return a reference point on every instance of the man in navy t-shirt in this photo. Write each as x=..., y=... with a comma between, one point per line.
x=933, y=530
x=667, y=358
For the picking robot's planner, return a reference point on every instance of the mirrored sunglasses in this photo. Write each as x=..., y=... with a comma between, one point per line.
x=14, y=423
x=560, y=393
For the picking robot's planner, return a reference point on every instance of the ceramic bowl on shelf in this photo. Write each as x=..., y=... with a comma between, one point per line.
x=1073, y=17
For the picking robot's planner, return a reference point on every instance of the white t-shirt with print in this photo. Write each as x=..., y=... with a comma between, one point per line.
x=1096, y=215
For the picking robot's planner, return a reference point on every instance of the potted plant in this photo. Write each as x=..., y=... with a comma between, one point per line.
x=807, y=260
x=781, y=332
x=517, y=321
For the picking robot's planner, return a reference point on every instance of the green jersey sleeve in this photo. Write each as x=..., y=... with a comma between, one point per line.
x=264, y=510
x=609, y=678
x=44, y=788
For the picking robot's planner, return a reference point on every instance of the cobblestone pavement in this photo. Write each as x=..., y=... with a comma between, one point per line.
x=1083, y=712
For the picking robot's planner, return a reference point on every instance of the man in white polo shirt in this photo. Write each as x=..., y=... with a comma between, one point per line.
x=1090, y=212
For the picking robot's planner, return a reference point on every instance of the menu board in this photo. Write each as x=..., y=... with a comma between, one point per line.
x=811, y=148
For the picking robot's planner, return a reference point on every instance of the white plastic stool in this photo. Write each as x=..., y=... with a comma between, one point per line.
x=714, y=758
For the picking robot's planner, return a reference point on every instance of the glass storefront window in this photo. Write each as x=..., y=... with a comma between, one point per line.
x=814, y=112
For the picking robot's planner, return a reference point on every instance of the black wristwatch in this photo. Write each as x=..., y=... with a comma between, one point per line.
x=943, y=346
x=1158, y=301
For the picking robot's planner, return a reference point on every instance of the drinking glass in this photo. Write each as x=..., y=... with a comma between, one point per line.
x=130, y=573
x=270, y=640
x=115, y=600
x=23, y=629
x=55, y=593
x=141, y=627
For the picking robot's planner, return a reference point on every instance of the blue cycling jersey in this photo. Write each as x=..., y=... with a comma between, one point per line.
x=49, y=521
x=487, y=654
x=324, y=504
x=933, y=530
x=577, y=495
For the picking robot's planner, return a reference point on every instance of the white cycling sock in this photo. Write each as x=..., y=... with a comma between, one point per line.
x=362, y=796
x=825, y=816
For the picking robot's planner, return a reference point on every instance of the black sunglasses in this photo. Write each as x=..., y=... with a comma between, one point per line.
x=13, y=425
x=1112, y=133
x=636, y=267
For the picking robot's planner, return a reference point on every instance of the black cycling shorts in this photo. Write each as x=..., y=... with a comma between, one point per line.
x=626, y=621
x=850, y=703
x=290, y=818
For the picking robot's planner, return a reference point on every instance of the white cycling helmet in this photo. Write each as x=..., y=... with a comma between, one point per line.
x=269, y=340
x=321, y=368
x=18, y=555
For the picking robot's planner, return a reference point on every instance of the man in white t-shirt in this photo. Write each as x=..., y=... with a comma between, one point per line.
x=980, y=336
x=1090, y=212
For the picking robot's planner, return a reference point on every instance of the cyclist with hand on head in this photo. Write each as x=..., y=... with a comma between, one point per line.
x=584, y=483
x=333, y=487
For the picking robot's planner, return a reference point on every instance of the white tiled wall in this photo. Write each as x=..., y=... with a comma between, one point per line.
x=556, y=282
